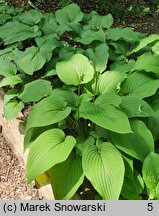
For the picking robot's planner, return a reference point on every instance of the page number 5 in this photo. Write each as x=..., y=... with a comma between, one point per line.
x=150, y=206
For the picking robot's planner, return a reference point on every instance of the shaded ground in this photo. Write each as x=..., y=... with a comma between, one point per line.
x=13, y=184
x=127, y=13
x=148, y=25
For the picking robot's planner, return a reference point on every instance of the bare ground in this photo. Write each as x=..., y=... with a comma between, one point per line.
x=13, y=183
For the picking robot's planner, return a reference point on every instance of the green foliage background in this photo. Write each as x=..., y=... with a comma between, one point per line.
x=94, y=95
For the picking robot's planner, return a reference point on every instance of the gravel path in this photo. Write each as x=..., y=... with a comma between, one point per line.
x=13, y=183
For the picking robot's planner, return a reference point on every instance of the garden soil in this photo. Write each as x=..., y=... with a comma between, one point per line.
x=13, y=183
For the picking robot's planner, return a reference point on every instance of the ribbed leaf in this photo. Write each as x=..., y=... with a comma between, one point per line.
x=35, y=90
x=12, y=108
x=105, y=113
x=122, y=66
x=50, y=148
x=153, y=122
x=109, y=81
x=48, y=111
x=150, y=173
x=104, y=167
x=30, y=17
x=83, y=143
x=10, y=81
x=66, y=177
x=7, y=68
x=16, y=31
x=135, y=107
x=144, y=42
x=96, y=55
x=32, y=59
x=138, y=144
x=140, y=85
x=126, y=34
x=48, y=24
x=119, y=47
x=98, y=21
x=50, y=42
x=155, y=48
x=10, y=94
x=75, y=71
x=89, y=36
x=129, y=166
x=147, y=62
x=33, y=133
x=69, y=14
x=133, y=185
x=6, y=53
x=68, y=95
x=132, y=188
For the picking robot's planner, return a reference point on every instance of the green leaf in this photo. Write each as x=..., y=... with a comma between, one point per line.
x=83, y=143
x=137, y=144
x=104, y=167
x=6, y=53
x=144, y=42
x=30, y=17
x=126, y=34
x=48, y=24
x=50, y=148
x=131, y=189
x=10, y=81
x=48, y=42
x=133, y=185
x=89, y=36
x=76, y=28
x=96, y=55
x=122, y=66
x=135, y=107
x=7, y=68
x=109, y=82
x=66, y=177
x=49, y=73
x=35, y=90
x=157, y=192
x=10, y=94
x=69, y=14
x=120, y=47
x=150, y=173
x=66, y=52
x=129, y=166
x=48, y=111
x=105, y=113
x=99, y=22
x=147, y=62
x=153, y=122
x=12, y=108
x=155, y=48
x=4, y=18
x=32, y=59
x=140, y=85
x=68, y=95
x=15, y=31
x=76, y=71
x=33, y=133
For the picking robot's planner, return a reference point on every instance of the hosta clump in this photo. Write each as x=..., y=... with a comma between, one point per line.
x=95, y=95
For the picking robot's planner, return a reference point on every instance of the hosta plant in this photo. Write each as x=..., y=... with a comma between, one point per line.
x=94, y=122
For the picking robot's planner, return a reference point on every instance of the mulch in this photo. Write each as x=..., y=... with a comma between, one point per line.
x=13, y=183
